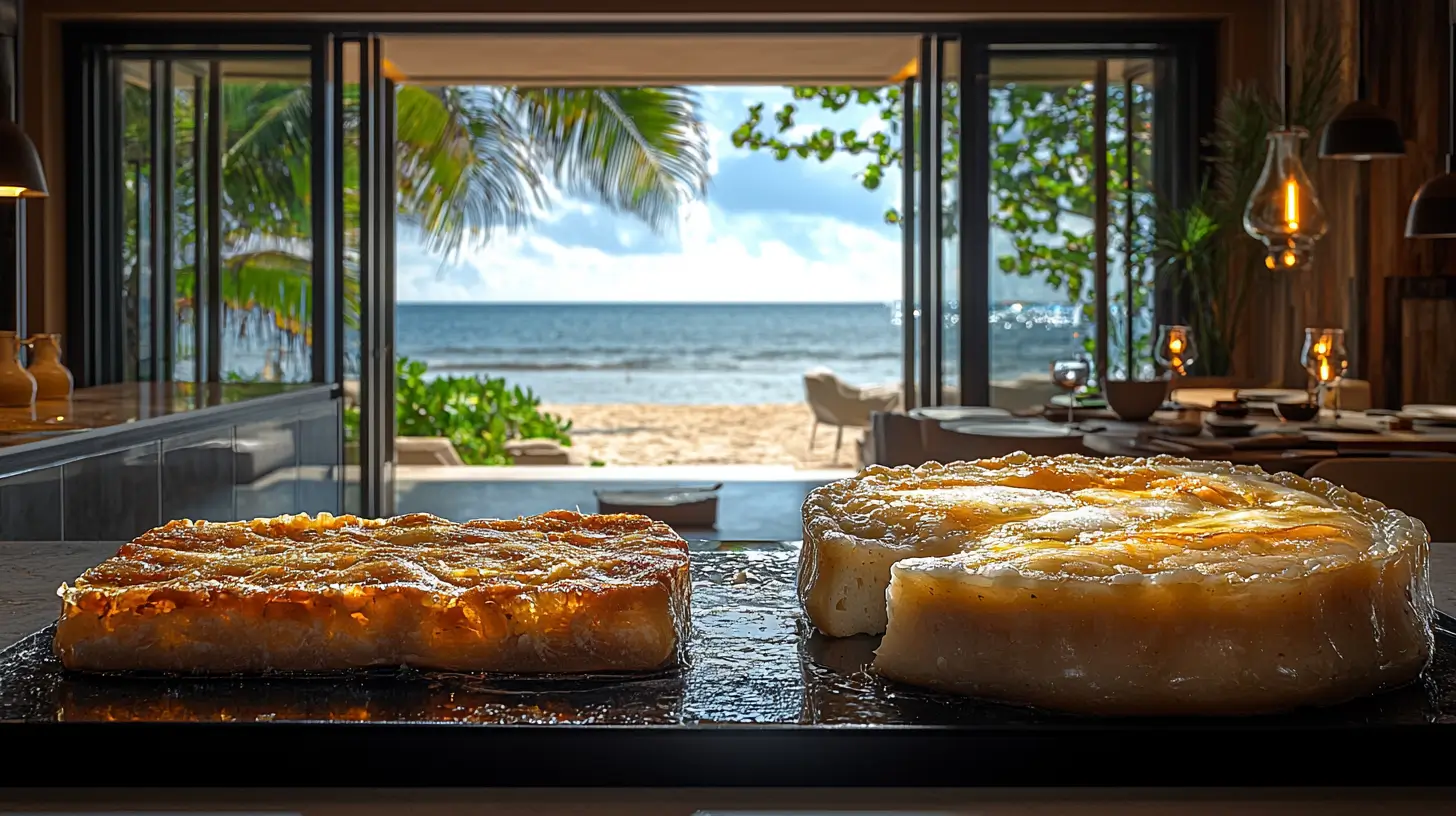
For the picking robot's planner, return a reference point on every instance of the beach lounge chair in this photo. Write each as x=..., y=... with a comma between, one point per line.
x=539, y=452
x=835, y=402
x=425, y=450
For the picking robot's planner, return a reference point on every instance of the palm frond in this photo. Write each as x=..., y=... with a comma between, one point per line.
x=267, y=140
x=641, y=151
x=464, y=166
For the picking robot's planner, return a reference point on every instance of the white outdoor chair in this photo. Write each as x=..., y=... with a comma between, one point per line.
x=837, y=403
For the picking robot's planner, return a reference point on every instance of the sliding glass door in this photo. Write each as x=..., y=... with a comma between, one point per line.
x=364, y=196
x=932, y=214
x=231, y=209
x=1044, y=170
x=201, y=259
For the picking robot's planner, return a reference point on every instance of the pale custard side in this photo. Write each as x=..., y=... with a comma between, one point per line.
x=1122, y=585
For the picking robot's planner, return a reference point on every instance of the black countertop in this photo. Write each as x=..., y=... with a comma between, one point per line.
x=761, y=701
x=106, y=412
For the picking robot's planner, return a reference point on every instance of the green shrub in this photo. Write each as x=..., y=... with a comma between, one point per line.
x=478, y=415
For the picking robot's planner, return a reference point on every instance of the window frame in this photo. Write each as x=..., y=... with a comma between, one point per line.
x=93, y=324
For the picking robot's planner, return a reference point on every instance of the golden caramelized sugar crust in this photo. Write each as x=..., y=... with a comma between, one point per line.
x=560, y=591
x=1116, y=519
x=1134, y=586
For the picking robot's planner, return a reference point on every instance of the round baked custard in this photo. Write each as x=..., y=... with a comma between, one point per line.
x=1120, y=586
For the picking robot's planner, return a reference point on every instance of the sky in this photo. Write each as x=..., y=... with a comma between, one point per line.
x=767, y=231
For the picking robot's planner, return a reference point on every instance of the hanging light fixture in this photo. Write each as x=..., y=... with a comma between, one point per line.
x=21, y=175
x=1433, y=210
x=1284, y=213
x=1361, y=131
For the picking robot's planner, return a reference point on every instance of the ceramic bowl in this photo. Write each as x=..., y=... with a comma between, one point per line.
x=1230, y=427
x=1302, y=411
x=1232, y=409
x=1135, y=401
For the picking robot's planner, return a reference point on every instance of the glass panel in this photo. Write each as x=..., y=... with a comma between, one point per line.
x=189, y=106
x=135, y=187
x=267, y=245
x=264, y=235
x=1132, y=219
x=1042, y=209
x=353, y=352
x=950, y=267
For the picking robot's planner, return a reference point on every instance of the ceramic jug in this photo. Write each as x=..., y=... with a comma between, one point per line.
x=17, y=387
x=53, y=380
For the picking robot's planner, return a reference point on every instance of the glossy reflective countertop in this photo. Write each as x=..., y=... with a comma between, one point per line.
x=752, y=660
x=111, y=406
x=759, y=701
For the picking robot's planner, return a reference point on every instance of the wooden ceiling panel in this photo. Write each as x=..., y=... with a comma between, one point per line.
x=608, y=59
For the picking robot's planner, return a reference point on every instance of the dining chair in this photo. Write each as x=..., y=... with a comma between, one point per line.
x=972, y=441
x=895, y=440
x=1419, y=487
x=841, y=405
x=1420, y=321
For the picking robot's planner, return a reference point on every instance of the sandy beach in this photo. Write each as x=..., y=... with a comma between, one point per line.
x=702, y=435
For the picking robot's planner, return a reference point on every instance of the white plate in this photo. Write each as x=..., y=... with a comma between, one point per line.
x=1023, y=430
x=961, y=413
x=1272, y=394
x=1430, y=413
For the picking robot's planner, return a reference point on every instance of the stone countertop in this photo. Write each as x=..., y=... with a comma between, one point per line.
x=110, y=406
x=31, y=572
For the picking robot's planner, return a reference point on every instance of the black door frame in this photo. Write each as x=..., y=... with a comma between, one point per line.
x=91, y=308
x=374, y=120
x=94, y=319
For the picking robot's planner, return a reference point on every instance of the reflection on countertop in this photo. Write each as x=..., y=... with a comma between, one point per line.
x=750, y=661
x=108, y=406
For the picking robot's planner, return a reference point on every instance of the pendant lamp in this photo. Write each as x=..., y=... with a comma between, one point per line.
x=1284, y=212
x=21, y=175
x=1433, y=210
x=1361, y=131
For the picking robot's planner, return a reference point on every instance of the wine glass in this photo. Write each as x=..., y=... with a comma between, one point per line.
x=1325, y=358
x=1176, y=350
x=1069, y=375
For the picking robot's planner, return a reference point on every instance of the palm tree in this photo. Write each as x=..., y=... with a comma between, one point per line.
x=470, y=162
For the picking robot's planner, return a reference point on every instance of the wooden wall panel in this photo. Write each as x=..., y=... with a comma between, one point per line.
x=1282, y=304
x=1406, y=59
x=1406, y=74
x=1428, y=336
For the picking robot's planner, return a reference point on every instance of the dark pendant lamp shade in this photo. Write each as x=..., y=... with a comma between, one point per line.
x=21, y=175
x=1360, y=132
x=1433, y=210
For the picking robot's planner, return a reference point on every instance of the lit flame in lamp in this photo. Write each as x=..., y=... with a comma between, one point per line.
x=1175, y=344
x=1291, y=205
x=1324, y=369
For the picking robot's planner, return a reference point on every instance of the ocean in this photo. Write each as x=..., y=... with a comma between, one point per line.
x=700, y=353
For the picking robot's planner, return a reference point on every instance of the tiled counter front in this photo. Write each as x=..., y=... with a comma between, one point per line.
x=249, y=464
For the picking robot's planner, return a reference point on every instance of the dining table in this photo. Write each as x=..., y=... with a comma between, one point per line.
x=1271, y=442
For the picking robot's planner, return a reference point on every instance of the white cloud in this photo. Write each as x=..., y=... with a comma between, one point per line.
x=770, y=231
x=724, y=258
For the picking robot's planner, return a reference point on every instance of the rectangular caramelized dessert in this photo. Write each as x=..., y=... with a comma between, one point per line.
x=558, y=592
